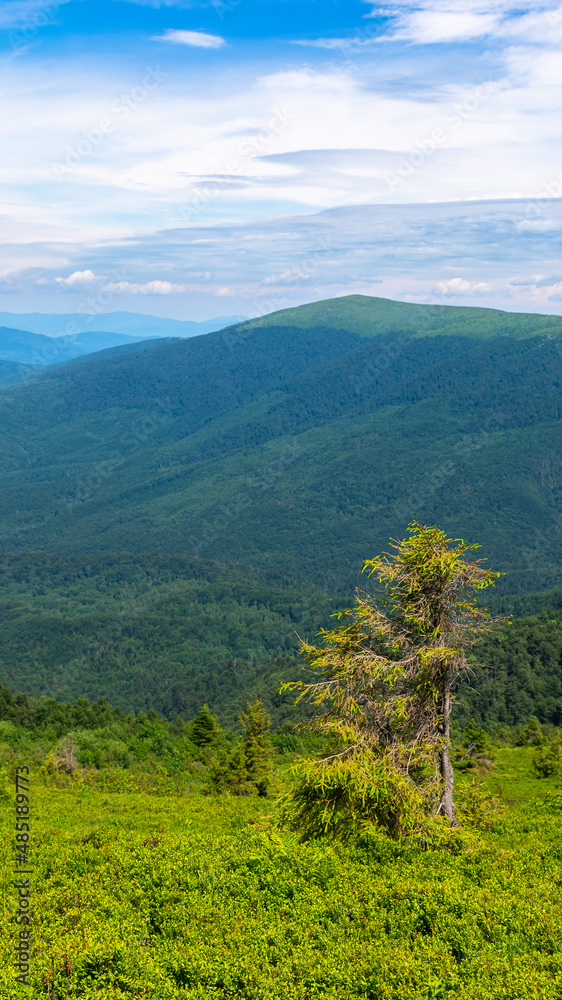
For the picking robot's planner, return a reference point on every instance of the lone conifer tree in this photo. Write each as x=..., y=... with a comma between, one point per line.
x=387, y=674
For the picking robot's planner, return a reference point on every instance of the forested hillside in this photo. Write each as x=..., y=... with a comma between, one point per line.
x=305, y=447
x=227, y=489
x=163, y=632
x=172, y=632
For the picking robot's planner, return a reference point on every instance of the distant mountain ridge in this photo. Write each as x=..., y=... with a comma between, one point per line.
x=137, y=325
x=370, y=316
x=37, y=350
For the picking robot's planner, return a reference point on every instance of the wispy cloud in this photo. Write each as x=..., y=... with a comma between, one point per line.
x=469, y=254
x=341, y=44
x=29, y=13
x=195, y=39
x=417, y=103
x=455, y=287
x=430, y=22
x=428, y=27
x=149, y=288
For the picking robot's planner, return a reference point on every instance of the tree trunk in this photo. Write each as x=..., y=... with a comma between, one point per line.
x=446, y=804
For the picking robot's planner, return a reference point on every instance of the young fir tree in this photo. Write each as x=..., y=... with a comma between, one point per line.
x=386, y=675
x=204, y=729
x=256, y=724
x=246, y=769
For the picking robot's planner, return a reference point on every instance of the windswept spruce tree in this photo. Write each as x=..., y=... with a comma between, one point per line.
x=385, y=678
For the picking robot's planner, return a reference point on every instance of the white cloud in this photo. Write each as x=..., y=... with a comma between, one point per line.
x=537, y=225
x=450, y=21
x=150, y=288
x=344, y=44
x=200, y=148
x=77, y=278
x=196, y=39
x=454, y=287
x=427, y=27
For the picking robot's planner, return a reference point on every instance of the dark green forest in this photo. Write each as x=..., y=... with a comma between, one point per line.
x=307, y=448
x=174, y=514
x=172, y=632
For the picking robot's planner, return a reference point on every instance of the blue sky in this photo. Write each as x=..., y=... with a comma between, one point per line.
x=199, y=158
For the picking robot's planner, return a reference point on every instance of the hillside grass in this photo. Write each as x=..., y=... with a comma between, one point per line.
x=187, y=896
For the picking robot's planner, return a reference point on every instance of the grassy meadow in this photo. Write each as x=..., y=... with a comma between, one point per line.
x=172, y=893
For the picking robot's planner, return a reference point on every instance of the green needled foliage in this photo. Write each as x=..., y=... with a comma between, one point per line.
x=246, y=770
x=205, y=729
x=256, y=724
x=386, y=674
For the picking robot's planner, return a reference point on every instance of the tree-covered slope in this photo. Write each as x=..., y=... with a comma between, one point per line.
x=148, y=631
x=171, y=633
x=370, y=316
x=301, y=447
x=14, y=371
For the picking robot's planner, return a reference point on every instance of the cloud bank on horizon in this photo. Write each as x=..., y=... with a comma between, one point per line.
x=185, y=154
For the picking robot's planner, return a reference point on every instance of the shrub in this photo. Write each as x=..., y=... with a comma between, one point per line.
x=475, y=749
x=548, y=759
x=530, y=735
x=477, y=806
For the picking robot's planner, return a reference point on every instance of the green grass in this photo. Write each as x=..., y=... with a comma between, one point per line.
x=226, y=906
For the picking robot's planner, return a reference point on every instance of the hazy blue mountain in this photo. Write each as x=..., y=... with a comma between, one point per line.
x=34, y=350
x=97, y=340
x=136, y=325
x=13, y=371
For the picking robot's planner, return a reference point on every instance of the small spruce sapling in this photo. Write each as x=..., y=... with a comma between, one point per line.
x=256, y=724
x=204, y=729
x=246, y=769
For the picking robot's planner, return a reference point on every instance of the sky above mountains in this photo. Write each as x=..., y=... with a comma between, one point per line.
x=192, y=158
